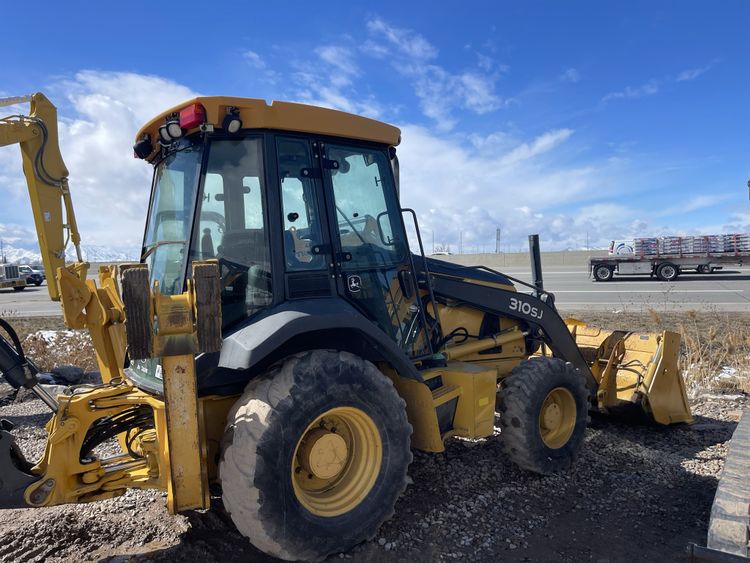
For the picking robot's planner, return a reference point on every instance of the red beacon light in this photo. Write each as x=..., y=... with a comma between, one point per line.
x=192, y=116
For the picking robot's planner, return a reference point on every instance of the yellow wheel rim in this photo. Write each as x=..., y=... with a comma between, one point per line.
x=336, y=461
x=557, y=418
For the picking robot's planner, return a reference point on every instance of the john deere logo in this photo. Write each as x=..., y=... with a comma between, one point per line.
x=355, y=283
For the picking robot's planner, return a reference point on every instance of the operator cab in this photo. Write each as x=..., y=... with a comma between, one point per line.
x=292, y=212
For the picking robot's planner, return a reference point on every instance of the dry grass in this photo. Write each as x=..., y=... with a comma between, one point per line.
x=715, y=352
x=66, y=348
x=69, y=348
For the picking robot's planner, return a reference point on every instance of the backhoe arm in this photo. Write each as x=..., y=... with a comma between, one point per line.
x=47, y=181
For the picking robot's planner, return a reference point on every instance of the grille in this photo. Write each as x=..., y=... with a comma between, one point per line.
x=11, y=272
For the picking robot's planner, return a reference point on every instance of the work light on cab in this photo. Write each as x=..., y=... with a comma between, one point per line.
x=143, y=147
x=173, y=126
x=232, y=122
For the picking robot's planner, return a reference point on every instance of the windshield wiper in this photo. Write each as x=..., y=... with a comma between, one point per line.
x=153, y=246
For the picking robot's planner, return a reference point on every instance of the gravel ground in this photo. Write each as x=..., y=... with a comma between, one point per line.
x=636, y=492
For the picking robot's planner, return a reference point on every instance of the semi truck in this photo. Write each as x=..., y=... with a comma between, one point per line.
x=667, y=257
x=10, y=276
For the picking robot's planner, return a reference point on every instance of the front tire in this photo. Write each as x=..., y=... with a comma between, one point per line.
x=544, y=413
x=704, y=269
x=19, y=288
x=603, y=273
x=315, y=455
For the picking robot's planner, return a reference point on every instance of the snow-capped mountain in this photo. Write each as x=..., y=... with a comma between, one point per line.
x=29, y=253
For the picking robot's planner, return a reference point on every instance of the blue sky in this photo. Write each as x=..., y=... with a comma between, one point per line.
x=576, y=120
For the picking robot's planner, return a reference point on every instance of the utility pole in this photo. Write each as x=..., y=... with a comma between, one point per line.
x=433, y=241
x=460, y=242
x=497, y=240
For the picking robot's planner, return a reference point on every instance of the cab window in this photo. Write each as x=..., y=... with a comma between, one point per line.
x=230, y=226
x=367, y=212
x=302, y=224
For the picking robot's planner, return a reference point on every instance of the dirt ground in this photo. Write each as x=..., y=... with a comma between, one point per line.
x=637, y=492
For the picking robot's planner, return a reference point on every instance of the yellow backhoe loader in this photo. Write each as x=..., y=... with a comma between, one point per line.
x=280, y=337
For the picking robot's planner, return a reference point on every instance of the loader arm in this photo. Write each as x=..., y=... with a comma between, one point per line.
x=544, y=319
x=621, y=368
x=47, y=182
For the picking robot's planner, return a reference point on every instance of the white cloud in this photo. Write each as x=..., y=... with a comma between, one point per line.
x=570, y=75
x=693, y=73
x=695, y=203
x=543, y=143
x=254, y=59
x=648, y=89
x=654, y=85
x=440, y=91
x=341, y=61
x=464, y=193
x=97, y=126
x=407, y=42
x=484, y=62
x=478, y=92
x=328, y=83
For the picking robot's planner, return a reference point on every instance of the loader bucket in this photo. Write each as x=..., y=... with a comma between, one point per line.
x=635, y=368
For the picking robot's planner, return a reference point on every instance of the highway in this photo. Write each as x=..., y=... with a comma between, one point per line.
x=574, y=290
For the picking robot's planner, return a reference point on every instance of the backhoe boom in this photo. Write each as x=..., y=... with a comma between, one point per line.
x=47, y=181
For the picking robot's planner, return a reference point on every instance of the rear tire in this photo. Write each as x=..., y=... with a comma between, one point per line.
x=667, y=271
x=544, y=413
x=329, y=398
x=19, y=288
x=603, y=273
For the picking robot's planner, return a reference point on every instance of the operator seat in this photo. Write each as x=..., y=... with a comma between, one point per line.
x=245, y=273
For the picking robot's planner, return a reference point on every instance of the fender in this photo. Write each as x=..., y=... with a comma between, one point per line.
x=316, y=323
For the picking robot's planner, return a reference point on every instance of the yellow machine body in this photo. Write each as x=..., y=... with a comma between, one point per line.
x=457, y=400
x=285, y=116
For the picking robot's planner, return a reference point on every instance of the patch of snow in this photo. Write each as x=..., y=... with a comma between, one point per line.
x=51, y=336
x=727, y=372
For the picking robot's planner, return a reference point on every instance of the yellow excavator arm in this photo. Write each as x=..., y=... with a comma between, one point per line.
x=47, y=181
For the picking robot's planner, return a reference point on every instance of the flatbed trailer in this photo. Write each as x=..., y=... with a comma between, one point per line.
x=665, y=267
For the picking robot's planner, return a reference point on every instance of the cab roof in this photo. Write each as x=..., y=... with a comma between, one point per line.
x=285, y=116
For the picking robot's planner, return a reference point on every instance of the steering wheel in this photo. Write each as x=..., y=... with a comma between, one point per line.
x=240, y=273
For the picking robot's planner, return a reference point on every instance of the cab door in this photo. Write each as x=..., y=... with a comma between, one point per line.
x=372, y=261
x=306, y=245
